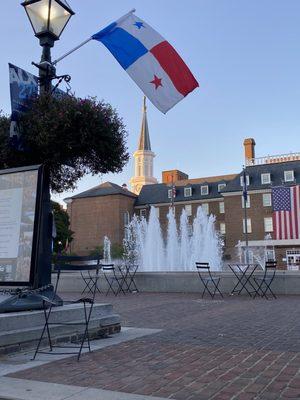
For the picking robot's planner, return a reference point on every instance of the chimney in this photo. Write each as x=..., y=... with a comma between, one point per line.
x=249, y=146
x=173, y=175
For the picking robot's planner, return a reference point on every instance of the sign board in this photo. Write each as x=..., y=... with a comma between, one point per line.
x=19, y=219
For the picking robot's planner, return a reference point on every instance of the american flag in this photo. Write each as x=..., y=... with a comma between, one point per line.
x=286, y=212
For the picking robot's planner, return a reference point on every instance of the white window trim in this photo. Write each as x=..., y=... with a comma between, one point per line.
x=187, y=192
x=222, y=207
x=221, y=186
x=222, y=228
x=207, y=190
x=188, y=210
x=205, y=208
x=242, y=180
x=248, y=203
x=266, y=222
x=249, y=225
x=269, y=196
x=266, y=174
x=285, y=176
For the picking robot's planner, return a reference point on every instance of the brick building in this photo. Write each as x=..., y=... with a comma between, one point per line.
x=106, y=209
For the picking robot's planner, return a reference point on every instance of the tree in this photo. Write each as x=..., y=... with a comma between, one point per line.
x=62, y=223
x=71, y=136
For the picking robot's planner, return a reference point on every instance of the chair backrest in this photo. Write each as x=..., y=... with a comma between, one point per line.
x=77, y=263
x=202, y=266
x=270, y=265
x=107, y=267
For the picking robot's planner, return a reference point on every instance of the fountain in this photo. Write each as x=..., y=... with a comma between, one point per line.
x=106, y=250
x=180, y=249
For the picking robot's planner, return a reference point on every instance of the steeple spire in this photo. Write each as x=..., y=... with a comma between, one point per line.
x=143, y=158
x=144, y=140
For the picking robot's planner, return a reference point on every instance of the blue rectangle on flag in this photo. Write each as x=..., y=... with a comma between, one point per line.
x=123, y=46
x=281, y=197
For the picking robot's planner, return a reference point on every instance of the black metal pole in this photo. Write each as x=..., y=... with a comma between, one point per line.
x=43, y=272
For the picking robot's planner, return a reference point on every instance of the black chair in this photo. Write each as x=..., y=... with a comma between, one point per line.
x=264, y=283
x=129, y=271
x=90, y=279
x=115, y=280
x=211, y=283
x=70, y=264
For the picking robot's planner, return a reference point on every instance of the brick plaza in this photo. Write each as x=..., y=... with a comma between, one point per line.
x=236, y=348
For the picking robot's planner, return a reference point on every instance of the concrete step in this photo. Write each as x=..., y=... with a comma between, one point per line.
x=22, y=330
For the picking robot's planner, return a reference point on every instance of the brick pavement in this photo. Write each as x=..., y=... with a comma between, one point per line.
x=238, y=348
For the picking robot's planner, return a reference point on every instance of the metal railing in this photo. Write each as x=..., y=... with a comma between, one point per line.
x=280, y=158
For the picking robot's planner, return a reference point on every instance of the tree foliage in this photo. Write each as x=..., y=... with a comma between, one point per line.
x=72, y=136
x=62, y=224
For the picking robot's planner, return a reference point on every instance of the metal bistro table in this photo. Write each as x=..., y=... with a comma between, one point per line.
x=128, y=272
x=243, y=273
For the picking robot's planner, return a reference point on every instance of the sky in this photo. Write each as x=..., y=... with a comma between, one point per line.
x=244, y=54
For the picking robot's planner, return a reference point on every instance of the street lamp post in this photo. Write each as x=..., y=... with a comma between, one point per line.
x=48, y=19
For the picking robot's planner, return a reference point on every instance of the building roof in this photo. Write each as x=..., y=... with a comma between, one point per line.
x=144, y=140
x=158, y=193
x=105, y=189
x=276, y=172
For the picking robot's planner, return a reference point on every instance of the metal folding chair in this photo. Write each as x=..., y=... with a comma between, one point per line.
x=114, y=280
x=211, y=283
x=264, y=283
x=129, y=271
x=70, y=264
x=90, y=280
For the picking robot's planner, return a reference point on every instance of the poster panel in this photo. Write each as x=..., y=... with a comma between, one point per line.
x=19, y=194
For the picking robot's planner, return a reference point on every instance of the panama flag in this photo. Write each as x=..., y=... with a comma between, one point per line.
x=149, y=59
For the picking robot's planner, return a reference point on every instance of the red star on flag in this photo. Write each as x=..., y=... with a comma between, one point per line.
x=157, y=82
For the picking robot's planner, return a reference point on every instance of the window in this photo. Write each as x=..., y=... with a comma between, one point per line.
x=247, y=202
x=248, y=256
x=267, y=199
x=289, y=176
x=268, y=222
x=204, y=190
x=221, y=207
x=187, y=192
x=172, y=192
x=222, y=228
x=247, y=180
x=265, y=178
x=249, y=226
x=188, y=209
x=270, y=255
x=143, y=212
x=126, y=218
x=221, y=186
x=205, y=208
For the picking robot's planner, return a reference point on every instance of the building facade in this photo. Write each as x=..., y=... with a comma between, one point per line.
x=107, y=209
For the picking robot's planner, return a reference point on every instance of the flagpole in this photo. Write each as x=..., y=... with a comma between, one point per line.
x=89, y=39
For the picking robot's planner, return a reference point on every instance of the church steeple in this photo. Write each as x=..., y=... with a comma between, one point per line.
x=143, y=158
x=144, y=141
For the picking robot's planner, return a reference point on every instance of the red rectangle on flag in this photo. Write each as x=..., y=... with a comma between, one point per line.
x=175, y=67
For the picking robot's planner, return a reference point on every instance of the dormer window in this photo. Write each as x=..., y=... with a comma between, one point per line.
x=265, y=178
x=242, y=180
x=187, y=192
x=289, y=176
x=172, y=193
x=204, y=190
x=221, y=186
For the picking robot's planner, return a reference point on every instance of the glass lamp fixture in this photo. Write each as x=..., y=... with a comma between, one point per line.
x=48, y=17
